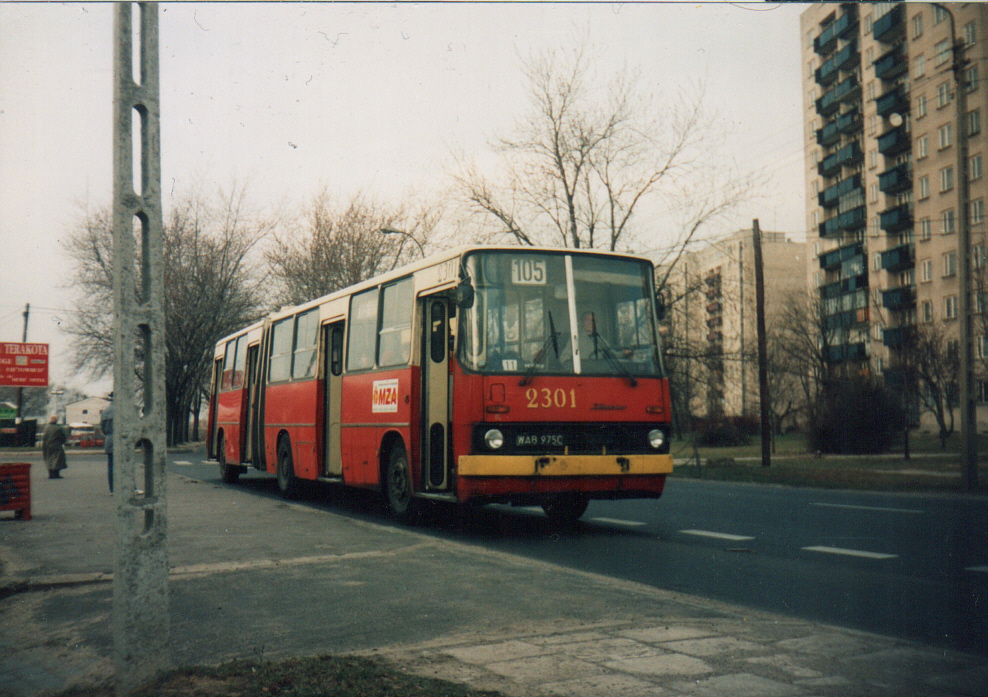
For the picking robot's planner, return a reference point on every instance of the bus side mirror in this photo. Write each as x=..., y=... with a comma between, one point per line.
x=464, y=295
x=660, y=305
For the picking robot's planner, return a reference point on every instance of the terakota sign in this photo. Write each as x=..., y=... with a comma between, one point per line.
x=23, y=365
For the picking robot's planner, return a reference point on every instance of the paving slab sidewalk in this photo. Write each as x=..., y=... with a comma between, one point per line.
x=256, y=577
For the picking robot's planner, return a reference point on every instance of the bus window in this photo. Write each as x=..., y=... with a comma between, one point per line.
x=396, y=323
x=363, y=330
x=336, y=347
x=281, y=351
x=239, y=362
x=227, y=381
x=306, y=338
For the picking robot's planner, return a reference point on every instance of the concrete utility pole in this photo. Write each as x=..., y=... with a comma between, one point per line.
x=140, y=578
x=20, y=390
x=763, y=397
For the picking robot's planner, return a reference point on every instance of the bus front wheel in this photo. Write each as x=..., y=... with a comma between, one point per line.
x=288, y=484
x=229, y=474
x=566, y=509
x=398, y=485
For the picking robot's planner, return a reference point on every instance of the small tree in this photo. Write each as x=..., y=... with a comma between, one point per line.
x=855, y=415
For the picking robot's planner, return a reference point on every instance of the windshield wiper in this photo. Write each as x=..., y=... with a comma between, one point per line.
x=551, y=339
x=612, y=359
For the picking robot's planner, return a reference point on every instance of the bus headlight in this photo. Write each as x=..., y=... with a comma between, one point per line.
x=656, y=438
x=494, y=439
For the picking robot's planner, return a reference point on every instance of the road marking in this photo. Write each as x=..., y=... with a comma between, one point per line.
x=717, y=535
x=979, y=569
x=851, y=552
x=182, y=462
x=615, y=521
x=869, y=508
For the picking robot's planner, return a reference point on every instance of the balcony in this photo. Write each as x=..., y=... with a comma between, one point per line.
x=896, y=180
x=850, y=154
x=713, y=307
x=827, y=40
x=893, y=102
x=896, y=337
x=898, y=259
x=896, y=219
x=848, y=120
x=829, y=134
x=833, y=259
x=831, y=68
x=894, y=142
x=901, y=298
x=891, y=65
x=849, y=221
x=890, y=27
x=830, y=197
x=829, y=167
x=831, y=99
x=845, y=352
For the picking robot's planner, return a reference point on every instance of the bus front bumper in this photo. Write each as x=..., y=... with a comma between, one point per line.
x=518, y=478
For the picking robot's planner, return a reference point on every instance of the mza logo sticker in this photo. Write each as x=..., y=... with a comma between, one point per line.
x=385, y=396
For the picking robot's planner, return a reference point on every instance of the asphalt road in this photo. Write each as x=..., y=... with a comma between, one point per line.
x=910, y=566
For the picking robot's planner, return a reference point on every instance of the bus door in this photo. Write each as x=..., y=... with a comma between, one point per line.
x=333, y=372
x=435, y=393
x=214, y=403
x=247, y=434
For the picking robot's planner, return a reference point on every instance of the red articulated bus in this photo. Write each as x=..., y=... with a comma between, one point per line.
x=529, y=376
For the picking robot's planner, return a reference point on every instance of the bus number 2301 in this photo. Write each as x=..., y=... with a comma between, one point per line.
x=546, y=398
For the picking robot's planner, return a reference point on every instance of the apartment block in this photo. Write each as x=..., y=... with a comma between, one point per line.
x=881, y=129
x=714, y=320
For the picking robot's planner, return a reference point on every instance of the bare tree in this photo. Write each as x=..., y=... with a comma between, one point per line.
x=586, y=159
x=212, y=288
x=335, y=247
x=933, y=362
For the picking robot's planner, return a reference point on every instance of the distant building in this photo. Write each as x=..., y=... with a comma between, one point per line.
x=883, y=200
x=712, y=322
x=86, y=411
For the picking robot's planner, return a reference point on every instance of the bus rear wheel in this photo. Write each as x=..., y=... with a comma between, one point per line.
x=398, y=485
x=229, y=473
x=566, y=509
x=288, y=484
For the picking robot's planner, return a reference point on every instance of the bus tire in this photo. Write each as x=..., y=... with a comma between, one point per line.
x=398, y=485
x=565, y=509
x=229, y=473
x=288, y=484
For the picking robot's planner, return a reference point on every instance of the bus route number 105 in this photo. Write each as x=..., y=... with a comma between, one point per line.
x=527, y=271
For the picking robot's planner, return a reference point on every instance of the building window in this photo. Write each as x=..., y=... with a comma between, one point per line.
x=946, y=179
x=876, y=261
x=950, y=307
x=982, y=391
x=982, y=352
x=971, y=77
x=925, y=229
x=872, y=159
x=922, y=147
x=918, y=25
x=975, y=170
x=977, y=211
x=970, y=34
x=943, y=95
x=974, y=122
x=947, y=218
x=939, y=14
x=978, y=256
x=926, y=310
x=921, y=106
x=871, y=90
x=919, y=66
x=946, y=135
x=873, y=193
x=924, y=187
x=949, y=264
x=942, y=52
x=926, y=271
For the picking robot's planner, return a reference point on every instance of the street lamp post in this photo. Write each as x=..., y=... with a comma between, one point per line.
x=969, y=452
x=392, y=231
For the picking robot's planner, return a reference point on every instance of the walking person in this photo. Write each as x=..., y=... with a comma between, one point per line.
x=106, y=425
x=53, y=448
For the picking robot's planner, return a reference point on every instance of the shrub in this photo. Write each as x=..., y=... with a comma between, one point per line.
x=855, y=416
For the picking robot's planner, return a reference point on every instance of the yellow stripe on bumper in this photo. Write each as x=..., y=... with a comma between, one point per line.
x=562, y=465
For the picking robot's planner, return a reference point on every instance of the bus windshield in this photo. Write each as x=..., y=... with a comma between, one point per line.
x=559, y=314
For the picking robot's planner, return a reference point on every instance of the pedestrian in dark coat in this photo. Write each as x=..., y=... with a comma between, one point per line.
x=53, y=447
x=106, y=425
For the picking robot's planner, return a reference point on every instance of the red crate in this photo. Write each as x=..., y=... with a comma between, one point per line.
x=15, y=488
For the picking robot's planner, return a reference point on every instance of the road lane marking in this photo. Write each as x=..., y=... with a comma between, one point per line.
x=182, y=462
x=850, y=552
x=979, y=569
x=869, y=508
x=717, y=535
x=616, y=521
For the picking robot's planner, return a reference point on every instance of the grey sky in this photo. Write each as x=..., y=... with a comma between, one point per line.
x=292, y=98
